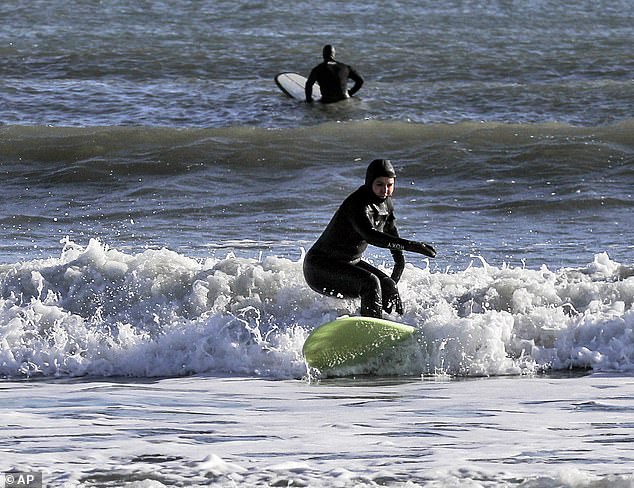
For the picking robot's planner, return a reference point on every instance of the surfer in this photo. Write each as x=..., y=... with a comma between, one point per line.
x=332, y=77
x=333, y=265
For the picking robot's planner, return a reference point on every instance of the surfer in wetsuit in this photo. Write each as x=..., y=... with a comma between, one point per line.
x=333, y=265
x=332, y=77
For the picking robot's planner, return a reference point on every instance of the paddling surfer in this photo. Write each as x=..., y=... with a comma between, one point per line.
x=333, y=265
x=332, y=77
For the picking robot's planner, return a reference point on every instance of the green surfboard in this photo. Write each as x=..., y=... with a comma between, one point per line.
x=350, y=341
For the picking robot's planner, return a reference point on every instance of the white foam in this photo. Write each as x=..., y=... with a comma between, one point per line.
x=100, y=311
x=209, y=431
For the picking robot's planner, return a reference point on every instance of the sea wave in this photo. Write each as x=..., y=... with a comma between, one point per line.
x=98, y=311
x=445, y=149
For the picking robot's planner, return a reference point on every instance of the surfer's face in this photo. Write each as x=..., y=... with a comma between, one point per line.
x=383, y=186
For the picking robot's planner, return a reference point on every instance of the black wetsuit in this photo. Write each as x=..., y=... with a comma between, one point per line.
x=333, y=265
x=332, y=77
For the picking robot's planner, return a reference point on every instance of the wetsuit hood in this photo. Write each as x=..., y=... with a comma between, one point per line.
x=376, y=169
x=328, y=52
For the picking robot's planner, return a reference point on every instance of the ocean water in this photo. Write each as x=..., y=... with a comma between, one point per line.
x=159, y=193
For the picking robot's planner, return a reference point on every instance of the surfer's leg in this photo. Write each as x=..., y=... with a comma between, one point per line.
x=371, y=303
x=345, y=280
x=385, y=282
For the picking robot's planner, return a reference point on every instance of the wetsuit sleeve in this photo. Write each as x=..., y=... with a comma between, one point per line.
x=358, y=81
x=362, y=224
x=397, y=254
x=308, y=88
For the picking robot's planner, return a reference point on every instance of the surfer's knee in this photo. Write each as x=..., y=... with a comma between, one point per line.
x=371, y=284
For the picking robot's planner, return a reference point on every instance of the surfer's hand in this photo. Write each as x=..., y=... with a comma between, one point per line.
x=393, y=302
x=391, y=297
x=423, y=248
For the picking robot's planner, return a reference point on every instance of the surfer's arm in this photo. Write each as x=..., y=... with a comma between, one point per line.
x=358, y=82
x=397, y=255
x=308, y=88
x=362, y=224
x=399, y=264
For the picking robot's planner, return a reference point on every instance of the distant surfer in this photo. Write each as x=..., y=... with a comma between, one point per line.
x=332, y=77
x=333, y=266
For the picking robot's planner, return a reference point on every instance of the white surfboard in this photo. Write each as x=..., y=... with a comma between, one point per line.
x=292, y=84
